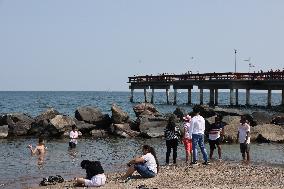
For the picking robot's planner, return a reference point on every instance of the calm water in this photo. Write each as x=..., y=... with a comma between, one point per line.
x=22, y=170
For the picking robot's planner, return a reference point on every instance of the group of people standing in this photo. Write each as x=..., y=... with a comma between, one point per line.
x=147, y=165
x=194, y=133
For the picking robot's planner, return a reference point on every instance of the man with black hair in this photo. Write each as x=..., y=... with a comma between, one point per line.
x=197, y=128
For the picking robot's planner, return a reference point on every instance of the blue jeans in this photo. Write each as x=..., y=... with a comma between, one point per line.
x=198, y=139
x=143, y=170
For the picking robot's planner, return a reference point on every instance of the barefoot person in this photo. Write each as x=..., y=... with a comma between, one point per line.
x=244, y=139
x=187, y=141
x=216, y=132
x=94, y=174
x=73, y=136
x=146, y=165
x=39, y=150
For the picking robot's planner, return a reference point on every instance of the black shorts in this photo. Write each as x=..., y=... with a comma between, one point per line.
x=72, y=145
x=244, y=148
x=213, y=143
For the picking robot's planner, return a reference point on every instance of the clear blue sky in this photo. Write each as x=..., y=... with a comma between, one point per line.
x=96, y=45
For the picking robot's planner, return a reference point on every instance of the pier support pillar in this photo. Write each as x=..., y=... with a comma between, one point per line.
x=175, y=96
x=188, y=96
x=145, y=94
x=269, y=98
x=201, y=96
x=211, y=100
x=131, y=97
x=216, y=97
x=152, y=97
x=282, y=103
x=231, y=97
x=167, y=94
x=237, y=97
x=247, y=97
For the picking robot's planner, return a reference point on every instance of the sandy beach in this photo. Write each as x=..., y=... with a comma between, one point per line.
x=216, y=175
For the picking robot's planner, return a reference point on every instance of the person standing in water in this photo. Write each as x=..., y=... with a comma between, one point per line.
x=73, y=136
x=40, y=150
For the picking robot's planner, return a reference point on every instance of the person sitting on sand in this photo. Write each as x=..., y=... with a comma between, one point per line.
x=94, y=174
x=187, y=141
x=146, y=165
x=73, y=136
x=244, y=138
x=39, y=150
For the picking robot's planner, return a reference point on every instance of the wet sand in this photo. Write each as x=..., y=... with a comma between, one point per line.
x=216, y=175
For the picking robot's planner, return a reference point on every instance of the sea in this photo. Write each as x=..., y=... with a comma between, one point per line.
x=21, y=170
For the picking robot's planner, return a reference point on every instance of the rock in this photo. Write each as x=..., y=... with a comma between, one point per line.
x=3, y=119
x=145, y=109
x=278, y=120
x=18, y=123
x=205, y=111
x=261, y=118
x=61, y=124
x=152, y=127
x=268, y=133
x=124, y=130
x=93, y=115
x=4, y=130
x=118, y=116
x=98, y=133
x=180, y=113
x=85, y=128
x=50, y=113
x=231, y=128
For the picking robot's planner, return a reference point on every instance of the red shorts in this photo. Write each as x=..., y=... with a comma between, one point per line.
x=187, y=144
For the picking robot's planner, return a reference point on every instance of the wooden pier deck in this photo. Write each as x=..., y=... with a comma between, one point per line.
x=213, y=82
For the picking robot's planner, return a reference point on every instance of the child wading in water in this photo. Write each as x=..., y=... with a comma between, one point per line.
x=244, y=139
x=39, y=150
x=187, y=141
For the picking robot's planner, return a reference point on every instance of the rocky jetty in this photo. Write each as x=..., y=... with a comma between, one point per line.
x=149, y=123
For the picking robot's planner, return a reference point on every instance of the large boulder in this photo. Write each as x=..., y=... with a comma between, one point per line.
x=152, y=127
x=4, y=130
x=261, y=118
x=3, y=119
x=18, y=123
x=145, y=109
x=93, y=115
x=231, y=128
x=278, y=120
x=118, y=115
x=99, y=133
x=50, y=113
x=85, y=128
x=205, y=110
x=268, y=133
x=42, y=122
x=123, y=130
x=59, y=125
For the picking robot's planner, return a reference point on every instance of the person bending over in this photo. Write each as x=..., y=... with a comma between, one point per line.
x=94, y=174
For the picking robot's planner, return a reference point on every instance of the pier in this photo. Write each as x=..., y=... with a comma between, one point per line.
x=213, y=82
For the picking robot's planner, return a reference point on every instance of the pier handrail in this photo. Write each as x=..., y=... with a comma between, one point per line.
x=208, y=76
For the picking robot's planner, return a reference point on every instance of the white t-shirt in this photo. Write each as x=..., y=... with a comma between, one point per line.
x=150, y=162
x=197, y=125
x=243, y=129
x=186, y=130
x=73, y=135
x=97, y=180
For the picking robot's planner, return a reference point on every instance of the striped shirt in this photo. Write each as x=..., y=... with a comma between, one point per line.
x=172, y=134
x=215, y=131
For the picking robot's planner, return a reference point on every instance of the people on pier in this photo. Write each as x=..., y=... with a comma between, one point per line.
x=146, y=165
x=172, y=136
x=94, y=174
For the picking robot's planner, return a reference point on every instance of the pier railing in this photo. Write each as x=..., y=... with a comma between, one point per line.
x=208, y=76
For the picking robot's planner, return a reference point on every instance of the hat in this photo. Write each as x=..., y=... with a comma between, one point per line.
x=187, y=118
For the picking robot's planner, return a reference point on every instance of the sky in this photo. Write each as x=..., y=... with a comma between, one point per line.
x=95, y=45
